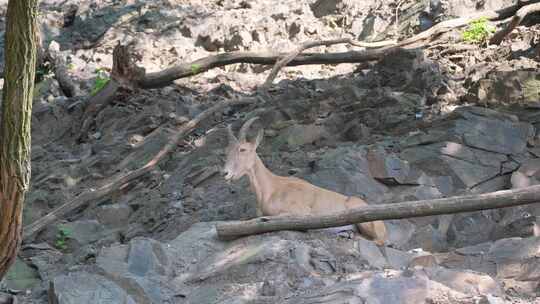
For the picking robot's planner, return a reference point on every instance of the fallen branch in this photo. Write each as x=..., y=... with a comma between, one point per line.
x=448, y=25
x=457, y=204
x=290, y=57
x=167, y=76
x=516, y=20
x=94, y=195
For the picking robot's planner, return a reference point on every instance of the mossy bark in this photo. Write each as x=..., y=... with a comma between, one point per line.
x=21, y=40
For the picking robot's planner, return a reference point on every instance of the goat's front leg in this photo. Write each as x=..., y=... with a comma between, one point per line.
x=258, y=209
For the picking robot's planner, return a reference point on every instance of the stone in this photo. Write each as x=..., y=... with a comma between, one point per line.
x=83, y=287
x=45, y=262
x=409, y=259
x=21, y=276
x=517, y=258
x=405, y=287
x=500, y=136
x=299, y=135
x=421, y=138
x=472, y=167
x=114, y=216
x=515, y=249
x=372, y=254
x=467, y=282
x=138, y=267
x=85, y=231
x=345, y=170
x=527, y=175
x=387, y=168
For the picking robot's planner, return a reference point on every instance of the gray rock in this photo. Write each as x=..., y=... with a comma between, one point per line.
x=21, y=277
x=299, y=135
x=86, y=288
x=527, y=175
x=471, y=167
x=387, y=168
x=138, y=268
x=114, y=216
x=372, y=254
x=85, y=231
x=421, y=138
x=517, y=258
x=512, y=249
x=407, y=259
x=388, y=287
x=345, y=170
x=467, y=282
x=492, y=134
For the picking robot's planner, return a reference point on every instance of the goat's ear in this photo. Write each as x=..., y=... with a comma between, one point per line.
x=259, y=138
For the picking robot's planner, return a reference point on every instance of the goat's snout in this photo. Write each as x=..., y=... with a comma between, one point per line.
x=226, y=174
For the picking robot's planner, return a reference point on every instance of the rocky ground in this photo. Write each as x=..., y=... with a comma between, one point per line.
x=446, y=119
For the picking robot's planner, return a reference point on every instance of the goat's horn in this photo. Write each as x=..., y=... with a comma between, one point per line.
x=232, y=138
x=243, y=131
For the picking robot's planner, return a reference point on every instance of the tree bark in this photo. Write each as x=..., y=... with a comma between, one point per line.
x=457, y=204
x=20, y=59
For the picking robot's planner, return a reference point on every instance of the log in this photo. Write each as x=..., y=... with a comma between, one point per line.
x=515, y=21
x=457, y=204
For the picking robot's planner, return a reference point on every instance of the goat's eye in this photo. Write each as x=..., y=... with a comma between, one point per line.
x=243, y=150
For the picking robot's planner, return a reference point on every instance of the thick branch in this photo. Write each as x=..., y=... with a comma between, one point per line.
x=165, y=77
x=307, y=45
x=499, y=199
x=106, y=190
x=516, y=20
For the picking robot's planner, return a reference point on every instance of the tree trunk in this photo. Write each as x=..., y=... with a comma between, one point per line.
x=20, y=63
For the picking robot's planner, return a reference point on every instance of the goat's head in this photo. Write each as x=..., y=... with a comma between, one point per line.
x=241, y=153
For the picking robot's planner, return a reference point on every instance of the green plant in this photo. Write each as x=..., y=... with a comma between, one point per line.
x=478, y=31
x=101, y=80
x=195, y=68
x=61, y=237
x=70, y=66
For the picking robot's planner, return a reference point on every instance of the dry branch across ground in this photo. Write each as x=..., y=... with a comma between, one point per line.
x=457, y=204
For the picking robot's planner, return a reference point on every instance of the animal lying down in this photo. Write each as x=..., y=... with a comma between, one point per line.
x=279, y=195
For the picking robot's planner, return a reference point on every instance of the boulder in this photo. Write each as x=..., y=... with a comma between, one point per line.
x=346, y=170
x=82, y=287
x=21, y=276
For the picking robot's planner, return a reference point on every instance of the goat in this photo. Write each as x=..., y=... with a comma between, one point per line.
x=278, y=195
